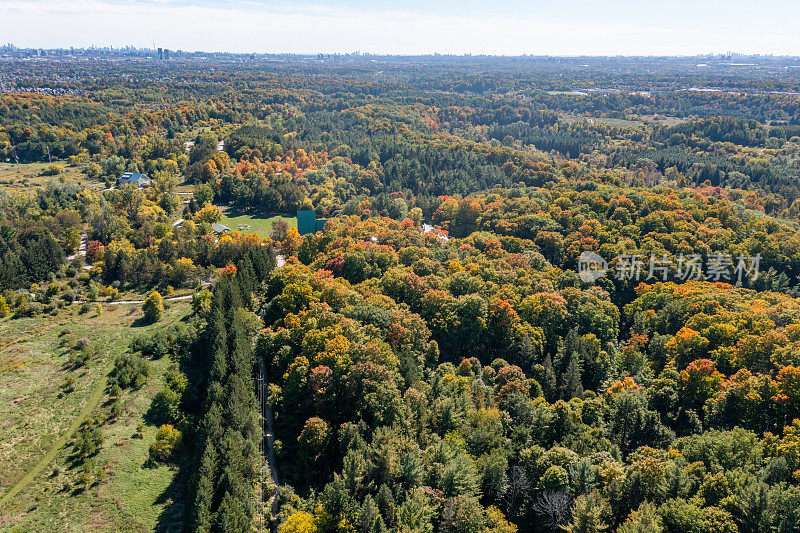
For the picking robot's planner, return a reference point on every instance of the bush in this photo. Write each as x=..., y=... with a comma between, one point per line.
x=167, y=444
x=4, y=309
x=78, y=358
x=53, y=170
x=27, y=308
x=69, y=384
x=116, y=408
x=153, y=307
x=94, y=251
x=201, y=302
x=92, y=292
x=165, y=407
x=81, y=343
x=172, y=340
x=130, y=371
x=93, y=170
x=88, y=440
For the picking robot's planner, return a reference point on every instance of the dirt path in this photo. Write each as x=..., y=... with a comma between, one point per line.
x=172, y=299
x=269, y=433
x=94, y=400
x=81, y=249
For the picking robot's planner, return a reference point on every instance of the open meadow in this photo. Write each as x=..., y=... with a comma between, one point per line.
x=45, y=398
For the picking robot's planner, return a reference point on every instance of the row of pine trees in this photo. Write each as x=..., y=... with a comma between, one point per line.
x=227, y=457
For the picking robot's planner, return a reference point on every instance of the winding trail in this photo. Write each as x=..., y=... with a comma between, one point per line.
x=108, y=302
x=58, y=444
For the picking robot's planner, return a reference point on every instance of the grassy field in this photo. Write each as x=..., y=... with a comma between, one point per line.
x=18, y=177
x=614, y=122
x=253, y=224
x=38, y=416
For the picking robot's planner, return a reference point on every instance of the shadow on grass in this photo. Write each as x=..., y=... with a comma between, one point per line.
x=173, y=497
x=234, y=211
x=141, y=322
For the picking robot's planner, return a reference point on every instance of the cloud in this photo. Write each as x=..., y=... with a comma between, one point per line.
x=250, y=26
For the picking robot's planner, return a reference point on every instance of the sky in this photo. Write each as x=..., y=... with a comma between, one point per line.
x=499, y=27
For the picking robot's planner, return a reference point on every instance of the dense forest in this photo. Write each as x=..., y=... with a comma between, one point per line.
x=435, y=359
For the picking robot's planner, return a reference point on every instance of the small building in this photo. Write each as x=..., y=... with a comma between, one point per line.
x=141, y=180
x=427, y=228
x=307, y=222
x=219, y=229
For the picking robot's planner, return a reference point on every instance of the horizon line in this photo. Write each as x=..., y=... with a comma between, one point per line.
x=398, y=54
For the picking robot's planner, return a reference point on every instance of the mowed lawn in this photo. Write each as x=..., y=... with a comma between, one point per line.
x=253, y=224
x=128, y=493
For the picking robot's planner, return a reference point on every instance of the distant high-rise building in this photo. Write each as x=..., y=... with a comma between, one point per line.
x=166, y=54
x=161, y=53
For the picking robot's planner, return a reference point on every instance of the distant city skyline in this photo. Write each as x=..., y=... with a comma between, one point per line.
x=501, y=27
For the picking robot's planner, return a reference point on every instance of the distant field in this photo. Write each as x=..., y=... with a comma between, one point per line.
x=17, y=177
x=36, y=415
x=614, y=122
x=253, y=224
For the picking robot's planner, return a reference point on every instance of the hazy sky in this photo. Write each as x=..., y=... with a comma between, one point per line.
x=567, y=27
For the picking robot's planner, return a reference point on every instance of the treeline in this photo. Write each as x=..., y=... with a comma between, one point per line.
x=28, y=256
x=227, y=458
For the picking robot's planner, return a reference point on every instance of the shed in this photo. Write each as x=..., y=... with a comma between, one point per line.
x=307, y=222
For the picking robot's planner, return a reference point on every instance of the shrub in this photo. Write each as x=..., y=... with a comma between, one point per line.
x=78, y=358
x=165, y=406
x=167, y=444
x=201, y=302
x=172, y=340
x=53, y=170
x=81, y=343
x=153, y=307
x=92, y=292
x=88, y=440
x=129, y=371
x=69, y=384
x=116, y=408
